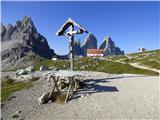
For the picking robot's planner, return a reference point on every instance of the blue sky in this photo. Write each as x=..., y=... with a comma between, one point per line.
x=130, y=24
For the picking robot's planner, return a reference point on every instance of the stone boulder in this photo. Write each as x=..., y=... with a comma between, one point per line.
x=24, y=78
x=54, y=68
x=43, y=68
x=30, y=69
x=44, y=98
x=21, y=72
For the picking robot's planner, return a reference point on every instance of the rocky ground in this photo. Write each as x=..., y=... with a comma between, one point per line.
x=112, y=96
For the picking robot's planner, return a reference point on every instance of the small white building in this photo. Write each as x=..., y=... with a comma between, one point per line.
x=141, y=49
x=54, y=58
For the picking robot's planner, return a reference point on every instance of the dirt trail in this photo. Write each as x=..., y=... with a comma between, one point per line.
x=137, y=65
x=144, y=67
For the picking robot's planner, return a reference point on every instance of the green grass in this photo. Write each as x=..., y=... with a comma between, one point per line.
x=154, y=54
x=118, y=57
x=94, y=64
x=119, y=68
x=50, y=63
x=151, y=59
x=151, y=51
x=115, y=68
x=151, y=64
x=8, y=86
x=147, y=58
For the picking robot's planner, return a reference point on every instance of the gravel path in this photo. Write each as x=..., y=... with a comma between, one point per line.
x=111, y=96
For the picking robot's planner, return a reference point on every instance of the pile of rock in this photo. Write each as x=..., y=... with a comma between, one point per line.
x=25, y=78
x=24, y=74
x=61, y=85
x=25, y=71
x=21, y=72
x=30, y=69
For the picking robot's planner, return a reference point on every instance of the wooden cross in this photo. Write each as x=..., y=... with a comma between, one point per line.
x=70, y=34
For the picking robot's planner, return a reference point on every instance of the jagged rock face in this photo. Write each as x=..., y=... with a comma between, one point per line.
x=110, y=48
x=19, y=40
x=77, y=48
x=118, y=51
x=89, y=43
x=6, y=32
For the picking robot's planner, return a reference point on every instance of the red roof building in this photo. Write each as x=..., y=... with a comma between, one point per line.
x=94, y=52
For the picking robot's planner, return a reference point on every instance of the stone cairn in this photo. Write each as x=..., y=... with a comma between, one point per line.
x=60, y=87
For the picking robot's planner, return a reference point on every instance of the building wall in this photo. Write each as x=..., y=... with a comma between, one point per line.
x=94, y=55
x=94, y=52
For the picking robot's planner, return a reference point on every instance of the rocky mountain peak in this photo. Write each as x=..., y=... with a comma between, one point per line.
x=21, y=39
x=78, y=42
x=18, y=24
x=109, y=47
x=90, y=39
x=109, y=41
x=9, y=27
x=77, y=47
x=90, y=42
x=27, y=21
x=3, y=30
x=106, y=43
x=6, y=31
x=26, y=25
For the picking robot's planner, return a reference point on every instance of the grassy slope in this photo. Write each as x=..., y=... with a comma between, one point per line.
x=148, y=58
x=152, y=60
x=111, y=67
x=122, y=68
x=50, y=63
x=92, y=64
x=8, y=87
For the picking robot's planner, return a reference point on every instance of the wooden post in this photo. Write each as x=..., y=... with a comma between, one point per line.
x=71, y=48
x=70, y=85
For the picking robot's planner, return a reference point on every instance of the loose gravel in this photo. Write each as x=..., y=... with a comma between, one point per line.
x=107, y=96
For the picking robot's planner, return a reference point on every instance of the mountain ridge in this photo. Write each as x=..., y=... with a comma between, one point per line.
x=22, y=41
x=90, y=42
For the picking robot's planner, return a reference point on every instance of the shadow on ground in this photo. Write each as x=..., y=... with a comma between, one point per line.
x=94, y=86
x=121, y=77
